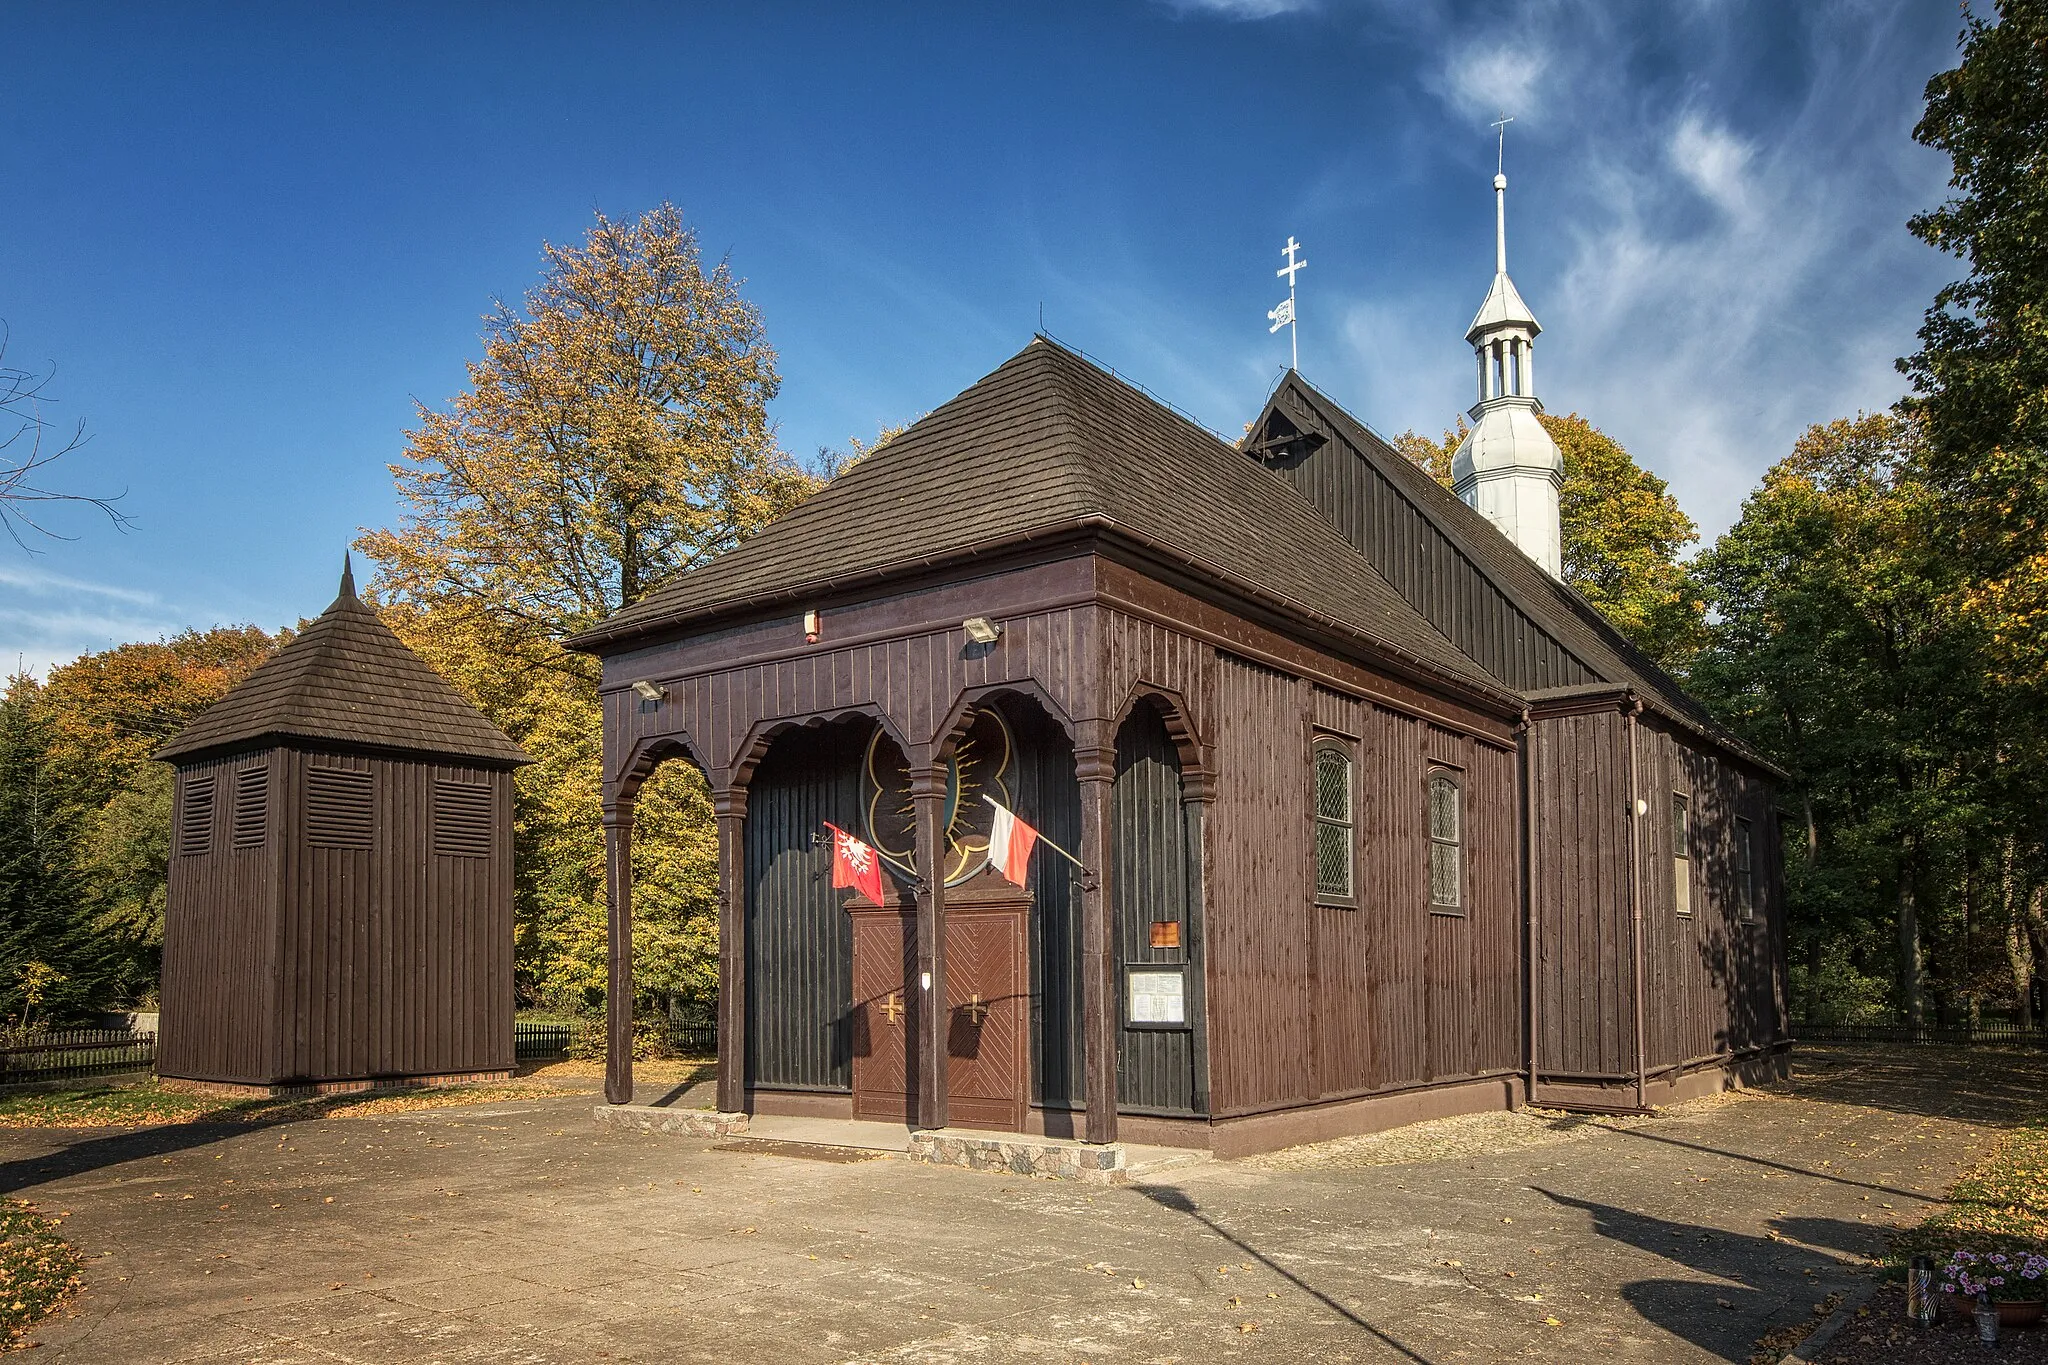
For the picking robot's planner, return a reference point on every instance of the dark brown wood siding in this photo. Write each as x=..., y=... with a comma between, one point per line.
x=1423, y=565
x=799, y=940
x=220, y=930
x=1313, y=1001
x=399, y=960
x=303, y=961
x=1150, y=884
x=1579, y=895
x=1049, y=799
x=1711, y=984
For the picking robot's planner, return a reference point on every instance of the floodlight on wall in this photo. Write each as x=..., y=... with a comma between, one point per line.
x=648, y=691
x=981, y=630
x=811, y=627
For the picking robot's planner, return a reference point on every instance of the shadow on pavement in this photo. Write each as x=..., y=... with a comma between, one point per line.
x=1721, y=1317
x=1178, y=1201
x=2000, y=1086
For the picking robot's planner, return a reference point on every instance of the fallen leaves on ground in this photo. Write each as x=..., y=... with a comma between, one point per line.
x=1469, y=1135
x=38, y=1271
x=134, y=1106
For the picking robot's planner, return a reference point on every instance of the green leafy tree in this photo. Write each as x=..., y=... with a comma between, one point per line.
x=1834, y=647
x=50, y=968
x=1623, y=534
x=615, y=433
x=1981, y=374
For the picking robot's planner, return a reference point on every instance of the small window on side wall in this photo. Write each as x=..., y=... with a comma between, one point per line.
x=1745, y=872
x=1681, y=852
x=1446, y=843
x=1336, y=823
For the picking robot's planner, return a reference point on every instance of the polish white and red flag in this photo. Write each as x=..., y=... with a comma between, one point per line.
x=854, y=864
x=1010, y=842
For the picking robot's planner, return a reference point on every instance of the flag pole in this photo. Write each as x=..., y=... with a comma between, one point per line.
x=1041, y=837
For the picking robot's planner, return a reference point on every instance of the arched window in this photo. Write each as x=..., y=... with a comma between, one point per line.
x=1336, y=824
x=1446, y=842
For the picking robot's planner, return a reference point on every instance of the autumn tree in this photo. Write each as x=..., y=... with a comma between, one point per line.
x=614, y=433
x=1623, y=533
x=99, y=719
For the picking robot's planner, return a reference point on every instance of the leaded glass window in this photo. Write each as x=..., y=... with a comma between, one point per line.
x=1446, y=843
x=1336, y=825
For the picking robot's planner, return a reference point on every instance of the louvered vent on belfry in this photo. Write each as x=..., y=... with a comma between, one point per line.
x=195, y=821
x=252, y=800
x=462, y=820
x=338, y=809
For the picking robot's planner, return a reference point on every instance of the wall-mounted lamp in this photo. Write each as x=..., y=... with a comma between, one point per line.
x=811, y=625
x=981, y=630
x=648, y=691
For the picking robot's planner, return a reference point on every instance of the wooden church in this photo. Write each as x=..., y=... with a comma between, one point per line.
x=1374, y=819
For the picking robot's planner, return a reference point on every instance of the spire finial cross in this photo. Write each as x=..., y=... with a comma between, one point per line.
x=1500, y=153
x=1283, y=316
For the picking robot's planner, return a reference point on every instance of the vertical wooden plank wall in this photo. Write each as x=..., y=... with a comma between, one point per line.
x=221, y=927
x=394, y=960
x=1712, y=984
x=1579, y=894
x=1260, y=891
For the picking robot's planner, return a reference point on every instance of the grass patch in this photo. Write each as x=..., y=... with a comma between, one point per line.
x=1999, y=1204
x=38, y=1271
x=130, y=1106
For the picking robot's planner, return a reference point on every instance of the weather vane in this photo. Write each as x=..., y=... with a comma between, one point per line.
x=1283, y=316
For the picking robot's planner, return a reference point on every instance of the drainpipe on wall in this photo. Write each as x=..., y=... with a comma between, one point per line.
x=1526, y=733
x=1635, y=892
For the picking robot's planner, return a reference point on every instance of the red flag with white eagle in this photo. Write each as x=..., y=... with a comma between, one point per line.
x=1010, y=842
x=854, y=864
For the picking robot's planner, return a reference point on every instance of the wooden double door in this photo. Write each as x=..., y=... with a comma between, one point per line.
x=988, y=1012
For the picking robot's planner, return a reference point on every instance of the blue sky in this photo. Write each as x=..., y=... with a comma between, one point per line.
x=248, y=239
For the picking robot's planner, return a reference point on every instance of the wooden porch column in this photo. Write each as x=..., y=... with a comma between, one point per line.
x=928, y=800
x=1095, y=768
x=618, y=999
x=730, y=806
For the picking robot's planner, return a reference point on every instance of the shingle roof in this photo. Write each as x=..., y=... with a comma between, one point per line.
x=346, y=678
x=1555, y=607
x=1045, y=443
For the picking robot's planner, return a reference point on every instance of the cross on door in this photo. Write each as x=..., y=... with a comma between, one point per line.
x=977, y=1008
x=893, y=1007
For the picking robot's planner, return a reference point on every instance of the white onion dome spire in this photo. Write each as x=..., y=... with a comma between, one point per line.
x=1507, y=468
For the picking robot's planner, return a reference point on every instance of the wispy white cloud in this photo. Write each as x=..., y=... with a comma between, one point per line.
x=48, y=619
x=1240, y=9
x=39, y=581
x=1483, y=78
x=1722, y=257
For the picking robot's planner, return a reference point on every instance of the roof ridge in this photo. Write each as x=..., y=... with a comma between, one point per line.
x=1634, y=667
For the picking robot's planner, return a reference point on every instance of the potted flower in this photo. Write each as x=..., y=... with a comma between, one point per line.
x=2016, y=1283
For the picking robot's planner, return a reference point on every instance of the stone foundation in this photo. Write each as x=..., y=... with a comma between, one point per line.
x=647, y=1118
x=1017, y=1154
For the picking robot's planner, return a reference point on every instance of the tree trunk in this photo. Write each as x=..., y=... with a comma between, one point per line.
x=2019, y=952
x=1816, y=943
x=1912, y=996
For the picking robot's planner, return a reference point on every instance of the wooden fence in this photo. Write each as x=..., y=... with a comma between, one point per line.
x=1989, y=1033
x=78, y=1054
x=75, y=1054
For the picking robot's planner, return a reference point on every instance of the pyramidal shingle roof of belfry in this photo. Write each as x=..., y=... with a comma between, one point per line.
x=1045, y=443
x=346, y=678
